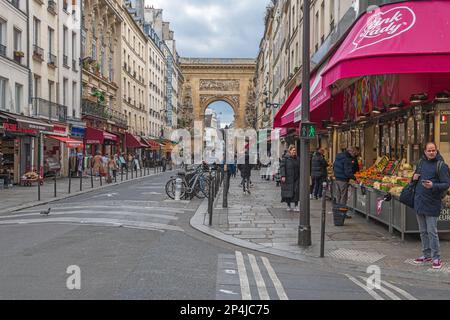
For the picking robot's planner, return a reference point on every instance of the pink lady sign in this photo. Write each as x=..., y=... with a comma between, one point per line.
x=407, y=38
x=382, y=26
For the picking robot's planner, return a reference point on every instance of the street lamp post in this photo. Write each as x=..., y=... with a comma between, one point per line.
x=304, y=230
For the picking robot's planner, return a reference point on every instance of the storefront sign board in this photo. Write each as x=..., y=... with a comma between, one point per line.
x=444, y=126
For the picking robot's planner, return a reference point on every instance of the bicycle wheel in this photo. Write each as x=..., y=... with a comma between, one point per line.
x=204, y=184
x=170, y=189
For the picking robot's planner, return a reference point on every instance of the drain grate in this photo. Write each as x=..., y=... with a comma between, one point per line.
x=357, y=256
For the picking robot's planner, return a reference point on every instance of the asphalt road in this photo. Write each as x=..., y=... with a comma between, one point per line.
x=131, y=242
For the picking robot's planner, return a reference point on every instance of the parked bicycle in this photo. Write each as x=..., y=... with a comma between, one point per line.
x=193, y=184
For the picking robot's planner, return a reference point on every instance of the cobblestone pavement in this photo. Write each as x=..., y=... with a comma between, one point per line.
x=261, y=222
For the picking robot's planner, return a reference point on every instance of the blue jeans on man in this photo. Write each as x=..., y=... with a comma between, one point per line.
x=429, y=236
x=317, y=187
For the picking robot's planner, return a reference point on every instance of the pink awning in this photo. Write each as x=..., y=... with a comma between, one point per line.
x=402, y=38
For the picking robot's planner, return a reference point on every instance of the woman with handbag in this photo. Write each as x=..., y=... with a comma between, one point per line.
x=432, y=180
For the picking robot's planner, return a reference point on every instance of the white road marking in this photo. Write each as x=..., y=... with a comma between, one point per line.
x=94, y=221
x=151, y=193
x=227, y=291
x=384, y=290
x=276, y=282
x=230, y=271
x=374, y=295
x=260, y=284
x=401, y=291
x=108, y=207
x=245, y=287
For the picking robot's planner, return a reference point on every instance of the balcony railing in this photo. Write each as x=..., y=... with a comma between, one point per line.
x=51, y=59
x=65, y=60
x=51, y=7
x=49, y=110
x=38, y=52
x=2, y=50
x=90, y=108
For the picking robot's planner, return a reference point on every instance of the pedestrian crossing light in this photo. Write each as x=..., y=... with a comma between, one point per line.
x=308, y=130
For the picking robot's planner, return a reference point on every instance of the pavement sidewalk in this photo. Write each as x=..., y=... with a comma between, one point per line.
x=19, y=197
x=261, y=222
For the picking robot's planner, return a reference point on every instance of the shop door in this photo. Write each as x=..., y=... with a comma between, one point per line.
x=25, y=156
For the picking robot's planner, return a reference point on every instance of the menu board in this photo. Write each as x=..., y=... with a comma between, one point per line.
x=410, y=131
x=444, y=126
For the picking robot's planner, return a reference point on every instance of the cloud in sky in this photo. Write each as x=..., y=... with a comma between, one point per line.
x=215, y=28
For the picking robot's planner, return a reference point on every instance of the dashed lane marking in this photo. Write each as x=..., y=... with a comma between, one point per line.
x=261, y=285
x=373, y=294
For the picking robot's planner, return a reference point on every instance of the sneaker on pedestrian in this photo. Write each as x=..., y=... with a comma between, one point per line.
x=288, y=209
x=311, y=196
x=437, y=264
x=297, y=209
x=422, y=260
x=316, y=198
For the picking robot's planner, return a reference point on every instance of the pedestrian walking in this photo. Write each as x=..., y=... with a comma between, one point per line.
x=432, y=182
x=343, y=173
x=290, y=177
x=112, y=169
x=97, y=164
x=246, y=172
x=130, y=161
x=318, y=173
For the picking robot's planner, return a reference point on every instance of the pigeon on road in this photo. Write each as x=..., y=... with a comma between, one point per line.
x=46, y=212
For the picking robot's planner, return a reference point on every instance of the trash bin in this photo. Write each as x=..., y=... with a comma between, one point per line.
x=339, y=214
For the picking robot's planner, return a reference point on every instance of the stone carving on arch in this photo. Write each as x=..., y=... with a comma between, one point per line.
x=219, y=85
x=232, y=100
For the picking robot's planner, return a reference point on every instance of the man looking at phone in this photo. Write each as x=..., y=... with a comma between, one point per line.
x=433, y=180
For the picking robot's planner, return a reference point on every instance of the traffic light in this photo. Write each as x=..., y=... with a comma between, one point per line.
x=308, y=130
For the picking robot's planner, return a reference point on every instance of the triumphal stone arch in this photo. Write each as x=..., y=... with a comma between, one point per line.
x=210, y=80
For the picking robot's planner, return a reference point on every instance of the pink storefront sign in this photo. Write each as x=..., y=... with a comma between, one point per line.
x=403, y=38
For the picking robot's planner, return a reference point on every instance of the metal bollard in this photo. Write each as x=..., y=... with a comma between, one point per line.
x=121, y=173
x=225, y=190
x=210, y=200
x=126, y=175
x=54, y=179
x=92, y=179
x=101, y=181
x=81, y=180
x=178, y=188
x=132, y=169
x=70, y=178
x=324, y=216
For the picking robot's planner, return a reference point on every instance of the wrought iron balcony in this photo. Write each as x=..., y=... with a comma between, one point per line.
x=49, y=110
x=90, y=108
x=95, y=109
x=51, y=7
x=2, y=50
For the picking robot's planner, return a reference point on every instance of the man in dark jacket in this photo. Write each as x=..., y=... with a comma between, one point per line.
x=246, y=172
x=343, y=172
x=318, y=173
x=290, y=176
x=433, y=181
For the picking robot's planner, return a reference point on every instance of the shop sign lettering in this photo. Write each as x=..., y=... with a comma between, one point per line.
x=59, y=129
x=383, y=26
x=13, y=128
x=445, y=215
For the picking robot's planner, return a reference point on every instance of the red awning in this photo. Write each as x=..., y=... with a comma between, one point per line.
x=154, y=145
x=404, y=38
x=70, y=143
x=133, y=141
x=95, y=136
x=290, y=114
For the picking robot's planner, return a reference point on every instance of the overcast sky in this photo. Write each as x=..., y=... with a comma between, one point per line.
x=215, y=28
